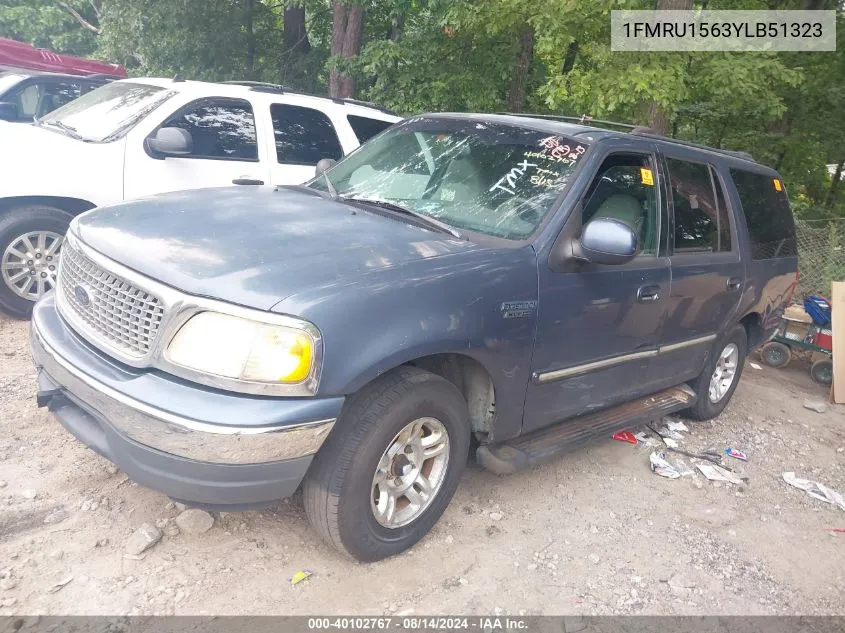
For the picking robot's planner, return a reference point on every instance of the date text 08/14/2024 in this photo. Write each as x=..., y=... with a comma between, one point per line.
x=418, y=623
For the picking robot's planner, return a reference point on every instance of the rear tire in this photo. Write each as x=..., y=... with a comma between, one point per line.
x=728, y=354
x=28, y=234
x=348, y=489
x=822, y=371
x=775, y=354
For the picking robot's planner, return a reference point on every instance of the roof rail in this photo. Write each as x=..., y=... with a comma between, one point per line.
x=635, y=130
x=581, y=120
x=370, y=104
x=263, y=86
x=649, y=133
x=259, y=84
x=103, y=76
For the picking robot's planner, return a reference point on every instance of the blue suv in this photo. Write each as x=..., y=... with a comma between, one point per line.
x=507, y=285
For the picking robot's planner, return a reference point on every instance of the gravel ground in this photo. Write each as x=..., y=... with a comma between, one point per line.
x=594, y=532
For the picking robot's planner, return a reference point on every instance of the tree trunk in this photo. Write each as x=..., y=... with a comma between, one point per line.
x=250, y=39
x=569, y=59
x=522, y=67
x=352, y=46
x=397, y=27
x=830, y=198
x=658, y=118
x=338, y=34
x=294, y=35
x=347, y=29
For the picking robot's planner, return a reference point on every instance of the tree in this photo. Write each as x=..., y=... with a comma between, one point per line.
x=347, y=29
x=48, y=24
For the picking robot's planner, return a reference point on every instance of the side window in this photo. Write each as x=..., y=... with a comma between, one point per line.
x=304, y=136
x=219, y=128
x=701, y=218
x=38, y=99
x=624, y=189
x=771, y=229
x=366, y=128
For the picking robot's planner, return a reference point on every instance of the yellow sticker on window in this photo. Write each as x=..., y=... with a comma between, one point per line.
x=646, y=176
x=778, y=186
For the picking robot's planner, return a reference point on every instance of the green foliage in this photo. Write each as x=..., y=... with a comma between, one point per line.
x=457, y=55
x=44, y=24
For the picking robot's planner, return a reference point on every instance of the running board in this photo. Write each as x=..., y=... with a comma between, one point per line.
x=539, y=446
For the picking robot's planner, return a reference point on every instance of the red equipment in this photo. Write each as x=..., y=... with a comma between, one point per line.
x=16, y=55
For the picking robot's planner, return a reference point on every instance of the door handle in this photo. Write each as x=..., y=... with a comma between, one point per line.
x=243, y=180
x=648, y=294
x=734, y=283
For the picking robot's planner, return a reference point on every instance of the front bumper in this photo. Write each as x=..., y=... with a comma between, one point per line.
x=196, y=444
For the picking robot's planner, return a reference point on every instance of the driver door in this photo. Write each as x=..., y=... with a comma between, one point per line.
x=599, y=325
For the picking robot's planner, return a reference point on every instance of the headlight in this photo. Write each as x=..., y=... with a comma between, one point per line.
x=242, y=349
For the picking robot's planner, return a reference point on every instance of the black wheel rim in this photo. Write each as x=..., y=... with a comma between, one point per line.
x=823, y=373
x=775, y=356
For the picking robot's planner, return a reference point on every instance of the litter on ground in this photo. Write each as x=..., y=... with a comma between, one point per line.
x=717, y=473
x=676, y=425
x=755, y=365
x=815, y=490
x=661, y=466
x=732, y=452
x=299, y=576
x=625, y=436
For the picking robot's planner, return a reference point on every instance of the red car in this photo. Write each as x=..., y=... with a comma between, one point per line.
x=19, y=56
x=35, y=81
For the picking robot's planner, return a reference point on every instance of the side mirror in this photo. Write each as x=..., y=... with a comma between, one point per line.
x=8, y=111
x=324, y=164
x=606, y=241
x=170, y=141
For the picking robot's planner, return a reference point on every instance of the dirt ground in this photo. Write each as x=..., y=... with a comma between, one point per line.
x=594, y=532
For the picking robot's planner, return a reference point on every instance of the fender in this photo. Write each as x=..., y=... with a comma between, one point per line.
x=480, y=303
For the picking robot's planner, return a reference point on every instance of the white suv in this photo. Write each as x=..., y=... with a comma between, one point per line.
x=139, y=137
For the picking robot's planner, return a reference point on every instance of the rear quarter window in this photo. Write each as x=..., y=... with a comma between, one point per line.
x=771, y=228
x=366, y=128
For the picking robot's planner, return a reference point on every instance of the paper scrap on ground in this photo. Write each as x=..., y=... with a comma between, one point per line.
x=732, y=452
x=661, y=466
x=815, y=490
x=299, y=576
x=674, y=425
x=755, y=365
x=717, y=473
x=670, y=442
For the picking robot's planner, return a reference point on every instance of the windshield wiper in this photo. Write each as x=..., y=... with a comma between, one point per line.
x=426, y=219
x=67, y=129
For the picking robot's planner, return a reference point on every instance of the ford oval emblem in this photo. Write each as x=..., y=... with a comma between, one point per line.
x=82, y=296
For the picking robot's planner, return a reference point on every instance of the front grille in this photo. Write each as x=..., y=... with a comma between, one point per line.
x=116, y=313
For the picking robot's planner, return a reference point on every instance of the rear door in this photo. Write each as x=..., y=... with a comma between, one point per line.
x=707, y=271
x=302, y=136
x=225, y=150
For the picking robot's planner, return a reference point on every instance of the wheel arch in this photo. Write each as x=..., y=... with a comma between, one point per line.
x=74, y=206
x=471, y=377
x=754, y=330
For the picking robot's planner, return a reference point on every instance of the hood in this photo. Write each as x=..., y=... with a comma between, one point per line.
x=29, y=152
x=254, y=246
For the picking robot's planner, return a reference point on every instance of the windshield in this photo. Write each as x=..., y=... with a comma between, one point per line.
x=105, y=113
x=495, y=179
x=7, y=80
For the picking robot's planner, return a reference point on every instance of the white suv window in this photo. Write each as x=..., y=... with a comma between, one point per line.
x=220, y=128
x=304, y=136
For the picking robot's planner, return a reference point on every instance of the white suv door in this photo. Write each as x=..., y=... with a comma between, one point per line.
x=225, y=150
x=302, y=136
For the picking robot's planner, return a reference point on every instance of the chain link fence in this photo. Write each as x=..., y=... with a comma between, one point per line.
x=821, y=257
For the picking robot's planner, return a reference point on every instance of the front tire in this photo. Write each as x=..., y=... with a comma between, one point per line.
x=390, y=466
x=716, y=384
x=30, y=244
